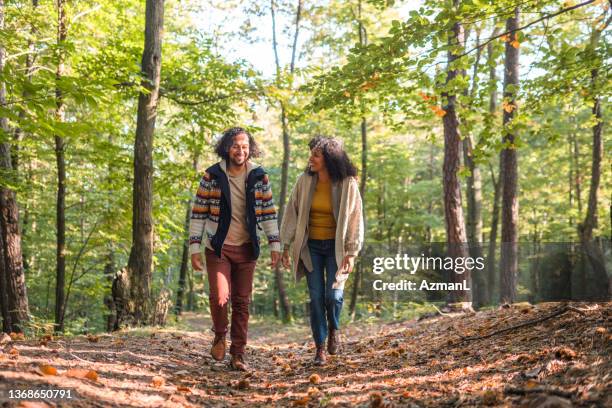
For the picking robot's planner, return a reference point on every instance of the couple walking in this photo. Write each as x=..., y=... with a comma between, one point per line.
x=321, y=231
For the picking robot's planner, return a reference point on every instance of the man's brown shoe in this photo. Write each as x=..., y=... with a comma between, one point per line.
x=333, y=342
x=217, y=351
x=237, y=363
x=320, y=358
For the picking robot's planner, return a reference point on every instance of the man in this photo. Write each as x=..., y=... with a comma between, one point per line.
x=233, y=201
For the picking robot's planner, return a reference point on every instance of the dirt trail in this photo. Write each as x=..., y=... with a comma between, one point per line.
x=564, y=360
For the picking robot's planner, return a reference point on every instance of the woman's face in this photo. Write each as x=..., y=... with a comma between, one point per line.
x=316, y=160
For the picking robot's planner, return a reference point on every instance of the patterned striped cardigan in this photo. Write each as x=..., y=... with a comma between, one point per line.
x=211, y=210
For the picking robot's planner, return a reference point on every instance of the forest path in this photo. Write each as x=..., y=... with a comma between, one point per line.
x=563, y=359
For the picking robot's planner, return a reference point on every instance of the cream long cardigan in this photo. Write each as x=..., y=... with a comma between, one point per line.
x=346, y=203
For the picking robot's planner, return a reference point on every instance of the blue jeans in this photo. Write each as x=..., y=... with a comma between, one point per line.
x=325, y=302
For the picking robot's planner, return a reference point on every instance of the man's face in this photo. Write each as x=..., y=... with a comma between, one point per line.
x=239, y=151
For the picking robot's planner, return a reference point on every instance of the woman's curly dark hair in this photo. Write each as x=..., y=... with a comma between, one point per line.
x=336, y=160
x=226, y=141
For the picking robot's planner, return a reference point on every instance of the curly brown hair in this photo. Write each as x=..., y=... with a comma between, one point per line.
x=224, y=143
x=338, y=163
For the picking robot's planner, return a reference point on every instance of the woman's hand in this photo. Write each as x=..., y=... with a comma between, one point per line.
x=286, y=259
x=347, y=264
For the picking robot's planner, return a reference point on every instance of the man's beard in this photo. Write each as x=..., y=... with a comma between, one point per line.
x=238, y=164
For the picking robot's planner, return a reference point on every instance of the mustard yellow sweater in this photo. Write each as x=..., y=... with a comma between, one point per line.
x=321, y=223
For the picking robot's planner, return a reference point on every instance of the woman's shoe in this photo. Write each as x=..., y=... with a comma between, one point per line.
x=320, y=358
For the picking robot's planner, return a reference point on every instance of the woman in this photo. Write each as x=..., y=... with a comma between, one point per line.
x=323, y=225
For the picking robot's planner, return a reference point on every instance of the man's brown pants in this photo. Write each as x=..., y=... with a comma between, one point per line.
x=230, y=277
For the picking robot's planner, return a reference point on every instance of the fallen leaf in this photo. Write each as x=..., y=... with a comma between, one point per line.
x=17, y=336
x=376, y=400
x=48, y=369
x=315, y=379
x=301, y=402
x=76, y=373
x=183, y=388
x=490, y=397
x=5, y=339
x=243, y=384
x=565, y=353
x=158, y=381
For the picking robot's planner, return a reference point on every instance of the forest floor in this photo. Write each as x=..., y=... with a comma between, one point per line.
x=559, y=357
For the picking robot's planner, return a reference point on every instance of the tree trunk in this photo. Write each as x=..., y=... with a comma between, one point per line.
x=13, y=294
x=190, y=291
x=453, y=213
x=278, y=276
x=178, y=309
x=509, y=175
x=140, y=263
x=363, y=181
x=60, y=268
x=474, y=221
x=362, y=191
x=4, y=308
x=577, y=174
x=282, y=295
x=590, y=246
x=491, y=276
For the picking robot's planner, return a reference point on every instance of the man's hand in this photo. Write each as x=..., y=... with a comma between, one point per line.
x=347, y=264
x=196, y=262
x=286, y=259
x=275, y=257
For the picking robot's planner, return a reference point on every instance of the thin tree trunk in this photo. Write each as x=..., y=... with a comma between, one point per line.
x=590, y=246
x=577, y=174
x=13, y=294
x=109, y=270
x=363, y=39
x=509, y=175
x=60, y=269
x=190, y=291
x=456, y=237
x=178, y=309
x=491, y=276
x=428, y=233
x=140, y=263
x=362, y=188
x=278, y=275
x=4, y=308
x=474, y=200
x=570, y=178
